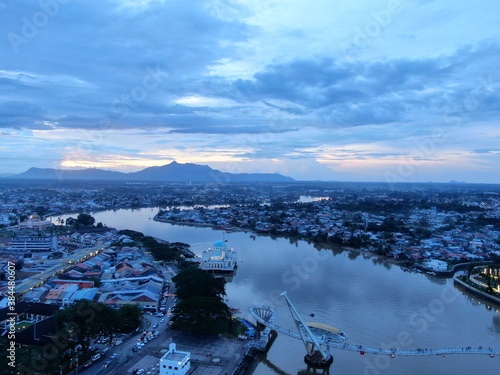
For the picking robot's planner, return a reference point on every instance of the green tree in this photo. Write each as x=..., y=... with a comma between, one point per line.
x=200, y=313
x=85, y=220
x=201, y=303
x=70, y=221
x=85, y=321
x=194, y=282
x=130, y=317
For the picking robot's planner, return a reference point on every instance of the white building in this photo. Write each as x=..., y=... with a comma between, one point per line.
x=34, y=222
x=175, y=362
x=436, y=265
x=219, y=258
x=34, y=243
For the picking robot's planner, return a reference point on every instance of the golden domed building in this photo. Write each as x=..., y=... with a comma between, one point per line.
x=34, y=222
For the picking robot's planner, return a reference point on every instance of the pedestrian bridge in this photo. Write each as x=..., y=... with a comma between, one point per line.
x=331, y=337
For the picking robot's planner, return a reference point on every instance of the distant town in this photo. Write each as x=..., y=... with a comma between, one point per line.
x=433, y=228
x=413, y=223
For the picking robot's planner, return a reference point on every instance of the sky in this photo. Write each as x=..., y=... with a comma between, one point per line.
x=365, y=90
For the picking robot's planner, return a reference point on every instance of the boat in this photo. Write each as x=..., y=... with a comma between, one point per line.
x=219, y=258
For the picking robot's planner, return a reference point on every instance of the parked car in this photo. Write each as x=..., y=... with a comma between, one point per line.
x=114, y=355
x=96, y=357
x=119, y=342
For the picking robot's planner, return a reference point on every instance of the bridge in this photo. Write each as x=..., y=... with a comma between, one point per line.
x=319, y=338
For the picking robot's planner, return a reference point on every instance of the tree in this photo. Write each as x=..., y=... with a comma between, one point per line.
x=200, y=313
x=85, y=321
x=201, y=302
x=194, y=282
x=85, y=220
x=130, y=317
x=70, y=221
x=337, y=240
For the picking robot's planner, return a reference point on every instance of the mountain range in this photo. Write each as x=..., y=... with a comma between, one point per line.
x=173, y=172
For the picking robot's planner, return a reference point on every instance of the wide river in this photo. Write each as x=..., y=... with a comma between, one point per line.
x=376, y=304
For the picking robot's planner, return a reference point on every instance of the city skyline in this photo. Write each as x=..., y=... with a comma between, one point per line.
x=394, y=91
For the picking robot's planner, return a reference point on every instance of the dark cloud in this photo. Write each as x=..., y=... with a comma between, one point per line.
x=15, y=114
x=92, y=63
x=86, y=58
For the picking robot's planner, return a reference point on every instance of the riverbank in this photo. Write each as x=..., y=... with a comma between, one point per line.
x=309, y=240
x=476, y=292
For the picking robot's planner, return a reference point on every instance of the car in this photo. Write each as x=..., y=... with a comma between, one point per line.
x=96, y=357
x=140, y=371
x=106, y=364
x=87, y=364
x=114, y=355
x=104, y=351
x=161, y=321
x=156, y=325
x=134, y=349
x=119, y=342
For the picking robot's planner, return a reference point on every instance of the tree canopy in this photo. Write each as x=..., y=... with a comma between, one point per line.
x=201, y=307
x=85, y=321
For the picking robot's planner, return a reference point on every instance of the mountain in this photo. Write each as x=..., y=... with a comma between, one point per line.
x=173, y=172
x=69, y=174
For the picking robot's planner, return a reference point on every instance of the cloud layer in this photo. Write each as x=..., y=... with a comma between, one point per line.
x=399, y=90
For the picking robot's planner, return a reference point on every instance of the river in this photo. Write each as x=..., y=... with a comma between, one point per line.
x=374, y=302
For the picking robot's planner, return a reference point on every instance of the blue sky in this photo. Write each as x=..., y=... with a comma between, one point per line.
x=396, y=91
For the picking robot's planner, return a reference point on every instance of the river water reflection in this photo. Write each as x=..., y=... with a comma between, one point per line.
x=375, y=303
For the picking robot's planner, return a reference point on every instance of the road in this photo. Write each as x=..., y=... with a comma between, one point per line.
x=126, y=358
x=61, y=266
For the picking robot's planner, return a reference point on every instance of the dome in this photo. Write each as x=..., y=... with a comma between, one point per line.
x=34, y=217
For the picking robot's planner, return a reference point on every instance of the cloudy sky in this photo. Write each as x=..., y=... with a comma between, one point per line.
x=365, y=90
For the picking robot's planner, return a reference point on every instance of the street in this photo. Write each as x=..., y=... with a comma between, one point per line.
x=126, y=359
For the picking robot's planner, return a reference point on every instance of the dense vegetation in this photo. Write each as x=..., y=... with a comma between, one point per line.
x=167, y=252
x=201, y=306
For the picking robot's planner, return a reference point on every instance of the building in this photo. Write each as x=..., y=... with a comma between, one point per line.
x=219, y=258
x=33, y=243
x=34, y=223
x=146, y=294
x=175, y=362
x=436, y=265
